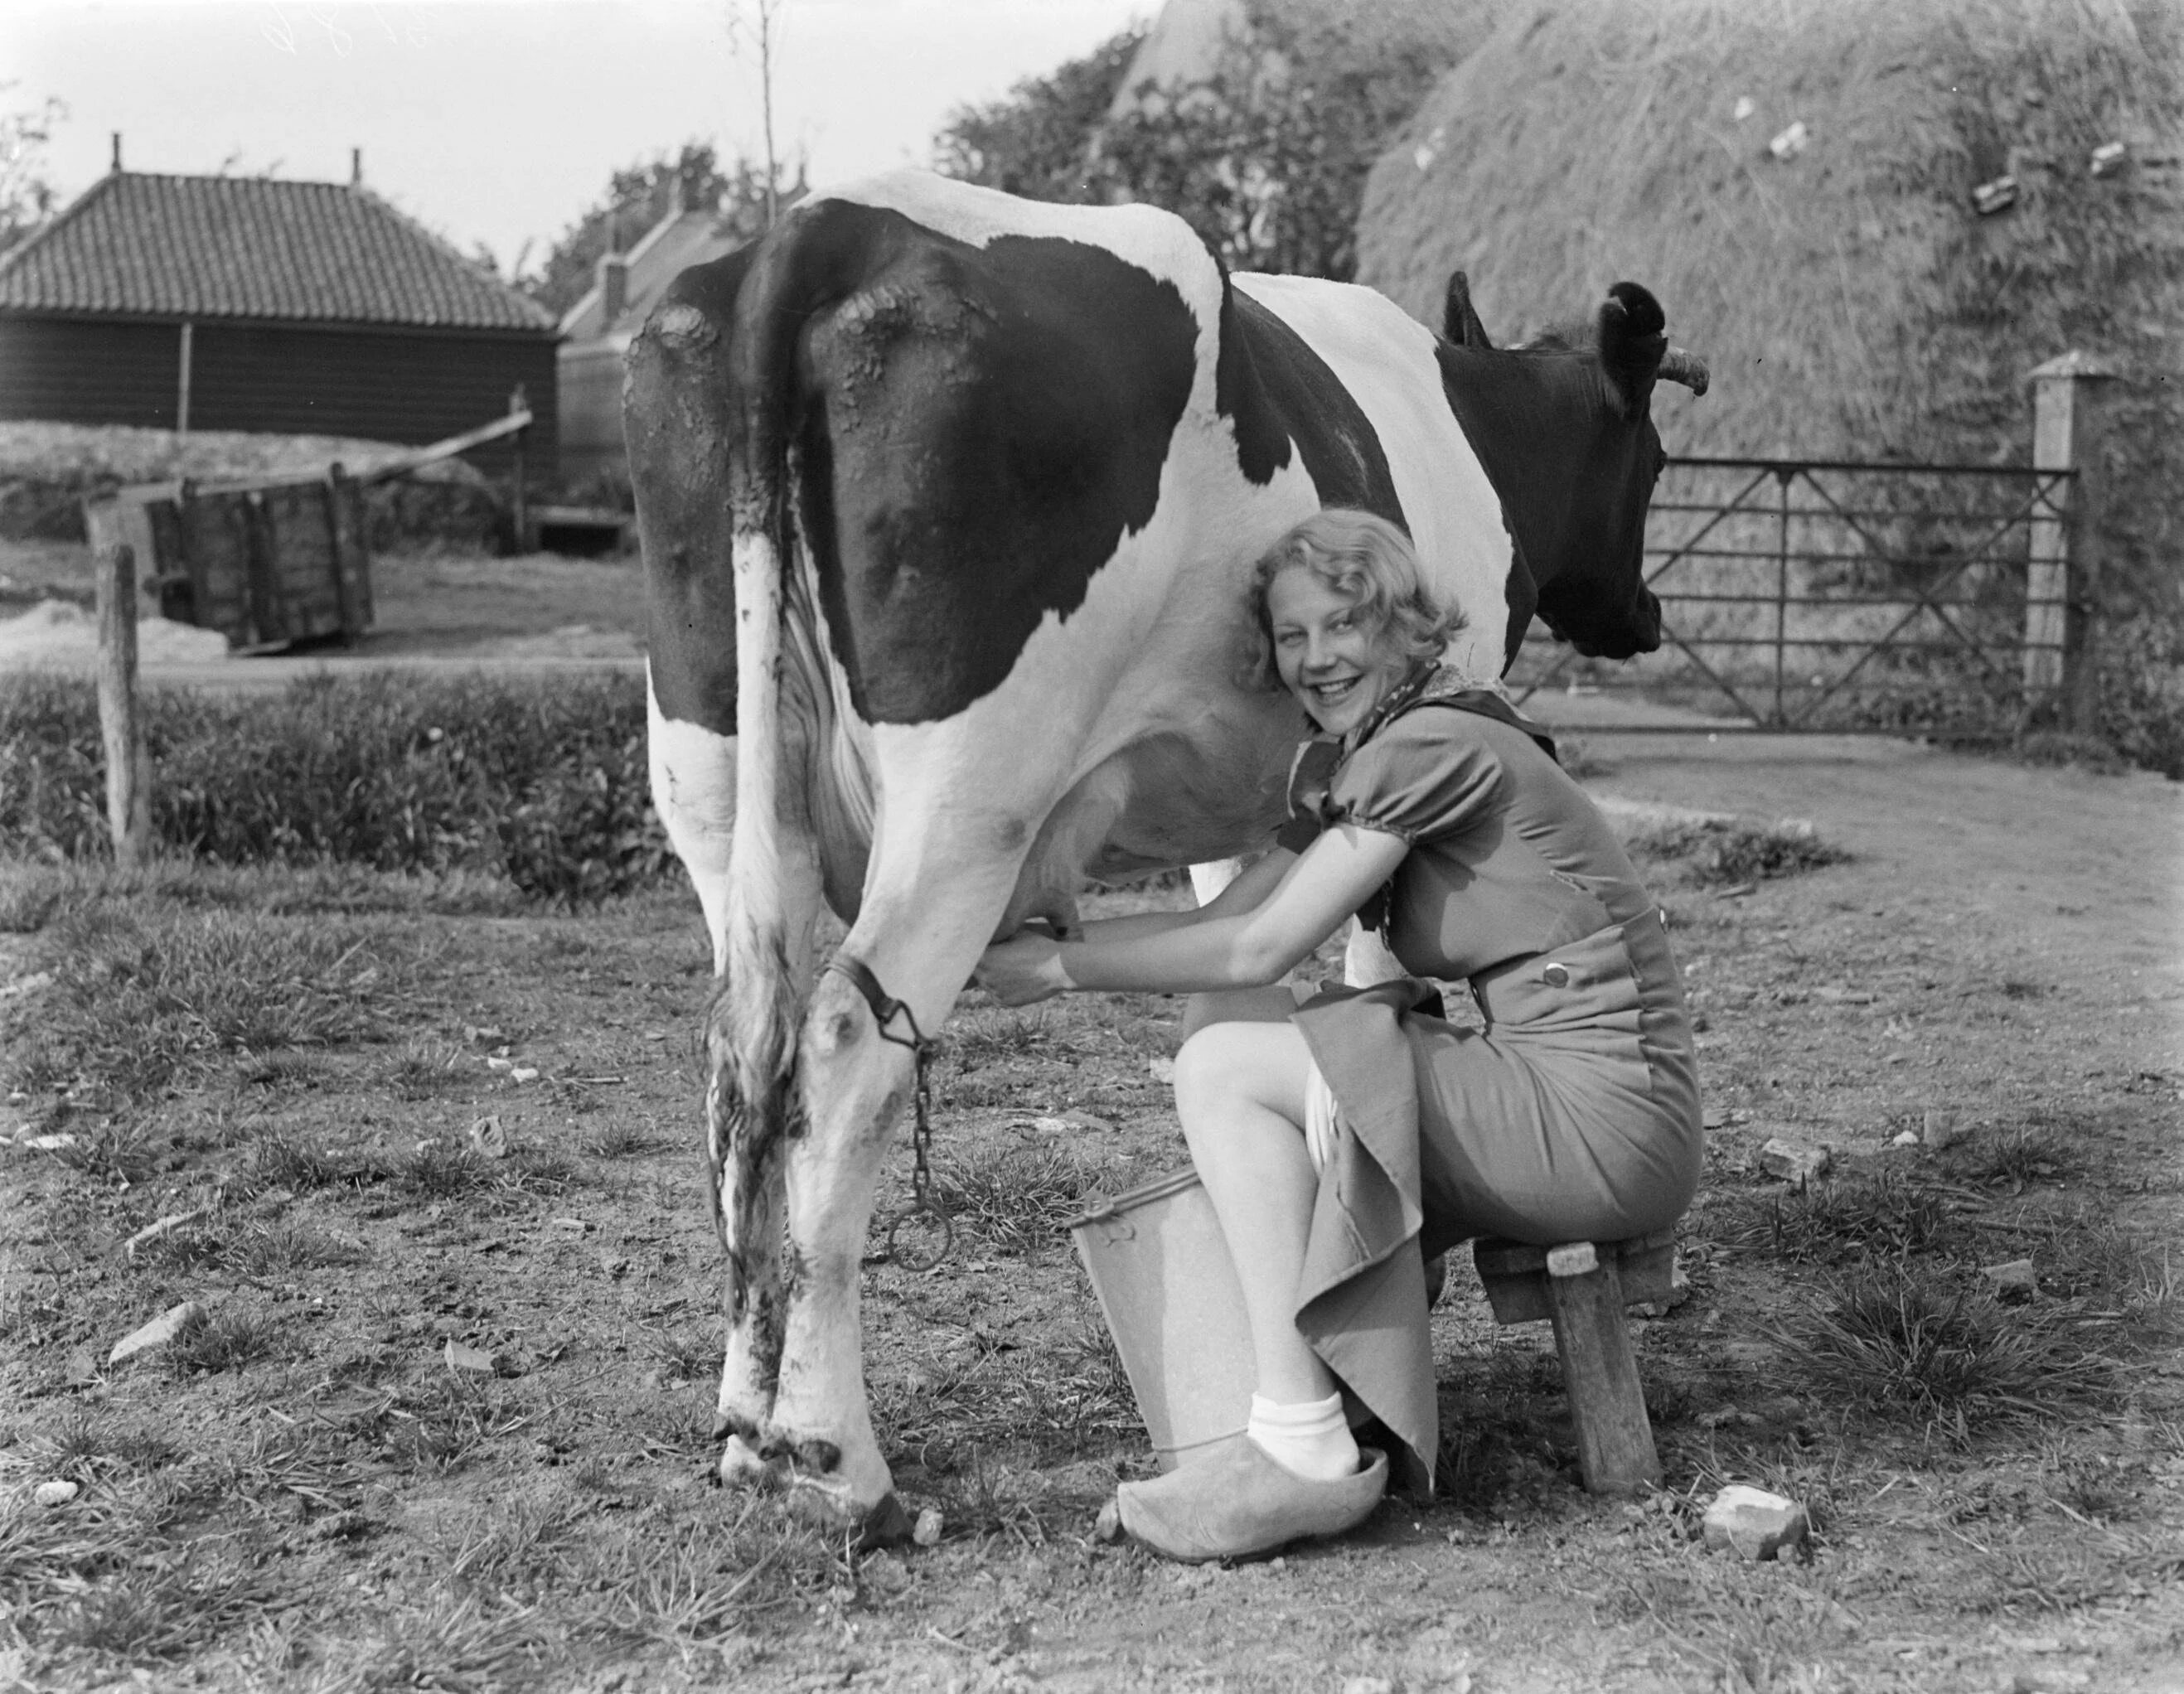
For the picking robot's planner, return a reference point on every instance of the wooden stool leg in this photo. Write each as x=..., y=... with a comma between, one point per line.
x=1615, y=1448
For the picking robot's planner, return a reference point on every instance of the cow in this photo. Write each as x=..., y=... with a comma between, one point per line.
x=946, y=500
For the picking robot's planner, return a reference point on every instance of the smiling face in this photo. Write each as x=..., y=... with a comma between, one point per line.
x=1337, y=663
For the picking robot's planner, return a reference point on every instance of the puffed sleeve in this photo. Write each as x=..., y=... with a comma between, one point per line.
x=1426, y=773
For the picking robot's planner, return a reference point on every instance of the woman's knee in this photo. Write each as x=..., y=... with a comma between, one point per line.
x=1263, y=1063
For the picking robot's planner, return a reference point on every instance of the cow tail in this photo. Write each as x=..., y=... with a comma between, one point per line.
x=753, y=1032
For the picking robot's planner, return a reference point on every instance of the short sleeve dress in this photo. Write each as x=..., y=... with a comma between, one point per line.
x=1573, y=1115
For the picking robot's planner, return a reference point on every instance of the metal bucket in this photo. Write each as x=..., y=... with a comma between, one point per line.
x=1160, y=1267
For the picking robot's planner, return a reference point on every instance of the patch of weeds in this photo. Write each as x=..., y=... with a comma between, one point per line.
x=123, y=1152
x=658, y=1576
x=103, y=1580
x=2089, y=1486
x=33, y=896
x=1714, y=851
x=462, y=1642
x=2056, y=1576
x=517, y=1551
x=618, y=1139
x=446, y=1170
x=266, y=1250
x=425, y=1067
x=2014, y=1157
x=1062, y=1400
x=440, y=1426
x=1911, y=1341
x=168, y=1606
x=288, y=1073
x=1017, y=1201
x=1890, y=1213
x=227, y=1339
x=991, y=1498
x=89, y=1449
x=999, y=1035
x=1762, y=1637
x=279, y=1161
x=2083, y=1250
x=182, y=1249
x=687, y=1355
x=142, y=999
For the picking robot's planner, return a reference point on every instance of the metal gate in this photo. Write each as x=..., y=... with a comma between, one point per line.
x=1802, y=595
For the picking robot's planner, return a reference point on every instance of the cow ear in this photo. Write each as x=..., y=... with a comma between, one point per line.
x=1632, y=344
x=1459, y=323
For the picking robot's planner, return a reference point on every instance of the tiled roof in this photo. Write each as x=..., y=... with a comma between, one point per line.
x=670, y=247
x=247, y=247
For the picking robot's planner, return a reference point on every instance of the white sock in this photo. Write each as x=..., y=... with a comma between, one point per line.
x=1311, y=1441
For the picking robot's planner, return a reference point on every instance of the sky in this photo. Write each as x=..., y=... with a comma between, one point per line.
x=497, y=122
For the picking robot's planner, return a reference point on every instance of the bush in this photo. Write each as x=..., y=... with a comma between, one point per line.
x=543, y=782
x=2142, y=691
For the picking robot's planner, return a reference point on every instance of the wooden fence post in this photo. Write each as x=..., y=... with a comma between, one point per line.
x=128, y=768
x=519, y=402
x=2062, y=582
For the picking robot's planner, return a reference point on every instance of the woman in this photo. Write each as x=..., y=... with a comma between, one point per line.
x=1344, y=1140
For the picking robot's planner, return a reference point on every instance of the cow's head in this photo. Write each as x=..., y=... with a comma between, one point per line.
x=1578, y=504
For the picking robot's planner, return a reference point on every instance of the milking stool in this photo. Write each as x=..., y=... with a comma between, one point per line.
x=1582, y=1288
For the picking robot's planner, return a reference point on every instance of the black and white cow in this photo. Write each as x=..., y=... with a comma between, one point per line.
x=946, y=500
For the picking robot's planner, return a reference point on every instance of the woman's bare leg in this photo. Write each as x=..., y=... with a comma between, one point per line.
x=1239, y=1088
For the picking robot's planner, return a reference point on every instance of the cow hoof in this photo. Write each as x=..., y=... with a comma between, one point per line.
x=887, y=1524
x=741, y=1466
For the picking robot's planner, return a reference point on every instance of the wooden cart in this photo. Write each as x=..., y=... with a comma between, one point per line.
x=266, y=563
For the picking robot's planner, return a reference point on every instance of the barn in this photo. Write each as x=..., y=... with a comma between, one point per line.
x=216, y=302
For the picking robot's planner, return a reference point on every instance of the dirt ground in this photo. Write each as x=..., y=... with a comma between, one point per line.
x=456, y=1435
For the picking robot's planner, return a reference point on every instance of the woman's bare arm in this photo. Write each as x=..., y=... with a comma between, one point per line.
x=1246, y=942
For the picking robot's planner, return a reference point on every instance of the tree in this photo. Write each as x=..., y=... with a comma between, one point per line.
x=637, y=197
x=26, y=195
x=1041, y=140
x=1266, y=156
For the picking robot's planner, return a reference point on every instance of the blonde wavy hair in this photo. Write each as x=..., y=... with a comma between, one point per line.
x=1367, y=560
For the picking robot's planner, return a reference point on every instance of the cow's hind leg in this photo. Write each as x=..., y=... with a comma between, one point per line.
x=857, y=1082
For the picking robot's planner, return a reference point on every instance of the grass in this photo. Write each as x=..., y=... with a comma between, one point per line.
x=1717, y=852
x=540, y=783
x=154, y=995
x=1888, y=1214
x=1916, y=1343
x=221, y=1340
x=1017, y=1201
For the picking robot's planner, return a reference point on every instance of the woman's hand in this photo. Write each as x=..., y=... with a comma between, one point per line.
x=1023, y=969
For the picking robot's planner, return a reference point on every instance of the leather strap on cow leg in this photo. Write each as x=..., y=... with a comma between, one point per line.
x=925, y=1199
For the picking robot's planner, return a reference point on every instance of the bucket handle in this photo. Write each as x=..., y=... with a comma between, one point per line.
x=1106, y=1216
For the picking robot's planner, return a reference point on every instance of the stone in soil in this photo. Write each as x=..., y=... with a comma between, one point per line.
x=1757, y=1525
x=1794, y=1163
x=1941, y=1128
x=158, y=1333
x=2015, y=1278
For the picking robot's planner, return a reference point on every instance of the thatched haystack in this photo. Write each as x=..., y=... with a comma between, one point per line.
x=1851, y=299
x=1190, y=41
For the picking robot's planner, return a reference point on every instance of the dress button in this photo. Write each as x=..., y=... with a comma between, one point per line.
x=1556, y=975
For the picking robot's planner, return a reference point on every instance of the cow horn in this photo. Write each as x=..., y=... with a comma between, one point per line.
x=1687, y=368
